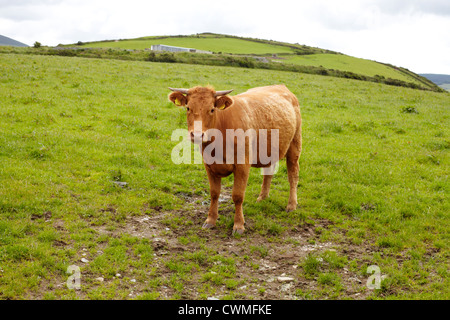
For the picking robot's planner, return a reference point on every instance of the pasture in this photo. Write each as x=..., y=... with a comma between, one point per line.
x=225, y=45
x=87, y=180
x=287, y=53
x=352, y=64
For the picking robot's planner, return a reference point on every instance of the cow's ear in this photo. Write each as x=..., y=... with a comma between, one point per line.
x=223, y=102
x=178, y=99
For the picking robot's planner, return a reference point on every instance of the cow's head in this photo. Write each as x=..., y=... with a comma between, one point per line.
x=202, y=105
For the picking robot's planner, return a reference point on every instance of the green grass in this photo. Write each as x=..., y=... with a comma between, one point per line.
x=389, y=74
x=373, y=183
x=351, y=64
x=224, y=45
x=290, y=53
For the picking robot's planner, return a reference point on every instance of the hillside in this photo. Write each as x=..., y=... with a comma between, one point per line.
x=5, y=41
x=274, y=51
x=216, y=43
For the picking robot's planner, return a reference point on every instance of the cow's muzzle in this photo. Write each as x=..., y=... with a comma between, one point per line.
x=197, y=137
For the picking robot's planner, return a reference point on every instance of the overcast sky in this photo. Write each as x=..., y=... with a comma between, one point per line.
x=414, y=34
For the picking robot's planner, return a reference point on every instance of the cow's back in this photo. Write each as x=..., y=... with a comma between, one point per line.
x=271, y=107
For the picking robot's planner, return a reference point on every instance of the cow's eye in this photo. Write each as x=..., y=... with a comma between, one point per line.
x=187, y=108
x=212, y=110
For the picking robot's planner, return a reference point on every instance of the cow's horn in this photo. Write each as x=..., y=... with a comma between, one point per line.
x=185, y=91
x=222, y=93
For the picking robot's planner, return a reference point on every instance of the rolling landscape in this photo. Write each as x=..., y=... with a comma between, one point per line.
x=87, y=178
x=242, y=52
x=285, y=53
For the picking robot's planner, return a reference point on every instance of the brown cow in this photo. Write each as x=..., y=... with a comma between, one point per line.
x=271, y=107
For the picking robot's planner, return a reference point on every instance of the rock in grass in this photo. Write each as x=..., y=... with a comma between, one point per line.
x=121, y=183
x=285, y=279
x=84, y=260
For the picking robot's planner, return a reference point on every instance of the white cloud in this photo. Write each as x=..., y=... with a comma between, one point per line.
x=394, y=7
x=408, y=33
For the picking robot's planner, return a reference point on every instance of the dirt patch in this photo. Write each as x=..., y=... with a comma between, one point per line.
x=265, y=267
x=259, y=263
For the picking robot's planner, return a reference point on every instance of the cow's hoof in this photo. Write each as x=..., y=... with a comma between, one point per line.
x=290, y=208
x=238, y=231
x=208, y=226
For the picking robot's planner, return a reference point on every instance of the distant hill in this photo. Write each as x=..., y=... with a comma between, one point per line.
x=277, y=52
x=5, y=41
x=442, y=80
x=437, y=78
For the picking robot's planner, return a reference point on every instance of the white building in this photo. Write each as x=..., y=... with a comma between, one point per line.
x=163, y=47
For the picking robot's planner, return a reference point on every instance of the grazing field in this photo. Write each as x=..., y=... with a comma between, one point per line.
x=352, y=64
x=87, y=180
x=288, y=53
x=225, y=45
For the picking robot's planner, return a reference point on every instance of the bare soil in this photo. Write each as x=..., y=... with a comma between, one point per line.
x=257, y=274
x=282, y=259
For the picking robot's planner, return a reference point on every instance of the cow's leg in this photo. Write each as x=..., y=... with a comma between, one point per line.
x=265, y=188
x=292, y=156
x=214, y=189
x=240, y=184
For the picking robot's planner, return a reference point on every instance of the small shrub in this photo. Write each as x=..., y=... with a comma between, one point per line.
x=151, y=57
x=116, y=175
x=161, y=57
x=407, y=214
x=245, y=63
x=66, y=52
x=167, y=57
x=39, y=154
x=322, y=71
x=409, y=110
x=37, y=44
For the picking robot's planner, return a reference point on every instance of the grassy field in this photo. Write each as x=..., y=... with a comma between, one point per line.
x=225, y=60
x=87, y=180
x=290, y=53
x=352, y=64
x=225, y=45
